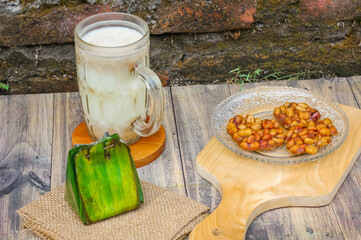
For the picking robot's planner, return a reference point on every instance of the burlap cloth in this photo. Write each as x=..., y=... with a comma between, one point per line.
x=163, y=215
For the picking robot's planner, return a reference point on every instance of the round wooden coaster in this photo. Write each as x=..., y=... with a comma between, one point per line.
x=145, y=151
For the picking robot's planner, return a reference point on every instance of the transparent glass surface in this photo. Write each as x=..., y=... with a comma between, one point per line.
x=119, y=92
x=261, y=102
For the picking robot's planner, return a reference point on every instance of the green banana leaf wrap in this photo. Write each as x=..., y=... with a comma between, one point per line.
x=102, y=180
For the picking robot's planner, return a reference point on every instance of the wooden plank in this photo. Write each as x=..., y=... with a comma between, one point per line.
x=346, y=204
x=67, y=116
x=302, y=223
x=266, y=221
x=355, y=84
x=166, y=171
x=251, y=187
x=25, y=156
x=193, y=107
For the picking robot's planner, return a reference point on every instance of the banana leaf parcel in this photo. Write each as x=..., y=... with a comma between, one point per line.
x=101, y=180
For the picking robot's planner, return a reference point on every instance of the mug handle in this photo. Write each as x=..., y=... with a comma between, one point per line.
x=155, y=102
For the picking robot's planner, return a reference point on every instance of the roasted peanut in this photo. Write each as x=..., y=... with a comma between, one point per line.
x=242, y=126
x=298, y=141
x=279, y=141
x=238, y=119
x=267, y=124
x=283, y=109
x=309, y=140
x=258, y=120
x=244, y=145
x=289, y=134
x=294, y=148
x=333, y=131
x=244, y=132
x=315, y=116
x=325, y=132
x=288, y=121
x=289, y=112
x=311, y=124
x=257, y=136
x=266, y=136
x=250, y=139
x=304, y=131
x=263, y=144
x=303, y=105
x=327, y=121
x=231, y=126
x=311, y=149
x=255, y=126
x=277, y=111
x=250, y=119
x=254, y=146
x=281, y=135
x=273, y=132
x=237, y=138
x=304, y=115
x=300, y=108
x=323, y=141
x=294, y=123
x=319, y=126
x=290, y=143
x=272, y=143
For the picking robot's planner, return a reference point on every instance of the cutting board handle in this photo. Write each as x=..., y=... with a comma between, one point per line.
x=219, y=225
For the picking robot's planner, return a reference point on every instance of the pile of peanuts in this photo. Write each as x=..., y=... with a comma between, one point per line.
x=305, y=131
x=291, y=113
x=254, y=134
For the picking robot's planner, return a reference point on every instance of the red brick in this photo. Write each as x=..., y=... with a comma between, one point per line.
x=336, y=10
x=202, y=16
x=56, y=25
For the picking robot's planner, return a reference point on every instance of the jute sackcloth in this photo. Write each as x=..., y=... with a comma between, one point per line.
x=163, y=215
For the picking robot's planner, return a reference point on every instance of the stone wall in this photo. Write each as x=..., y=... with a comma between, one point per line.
x=192, y=42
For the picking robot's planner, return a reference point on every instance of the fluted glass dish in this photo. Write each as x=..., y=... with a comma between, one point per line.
x=261, y=102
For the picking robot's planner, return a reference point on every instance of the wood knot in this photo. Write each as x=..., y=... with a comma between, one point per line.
x=217, y=231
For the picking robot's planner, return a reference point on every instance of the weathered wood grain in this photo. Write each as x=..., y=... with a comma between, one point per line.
x=258, y=228
x=346, y=204
x=250, y=187
x=67, y=115
x=303, y=223
x=25, y=156
x=193, y=107
x=37, y=126
x=166, y=171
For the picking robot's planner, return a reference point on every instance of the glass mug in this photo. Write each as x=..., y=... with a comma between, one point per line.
x=119, y=93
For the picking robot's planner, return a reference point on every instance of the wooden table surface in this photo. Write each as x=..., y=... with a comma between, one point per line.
x=35, y=135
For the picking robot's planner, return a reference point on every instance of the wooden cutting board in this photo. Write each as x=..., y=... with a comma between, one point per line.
x=249, y=187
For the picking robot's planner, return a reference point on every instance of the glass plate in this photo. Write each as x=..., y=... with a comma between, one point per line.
x=261, y=102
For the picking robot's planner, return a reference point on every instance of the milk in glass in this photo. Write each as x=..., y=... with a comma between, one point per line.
x=112, y=95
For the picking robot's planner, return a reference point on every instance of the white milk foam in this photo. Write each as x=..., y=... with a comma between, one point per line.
x=113, y=36
x=112, y=97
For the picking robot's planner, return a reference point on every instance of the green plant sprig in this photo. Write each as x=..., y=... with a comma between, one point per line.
x=4, y=86
x=241, y=76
